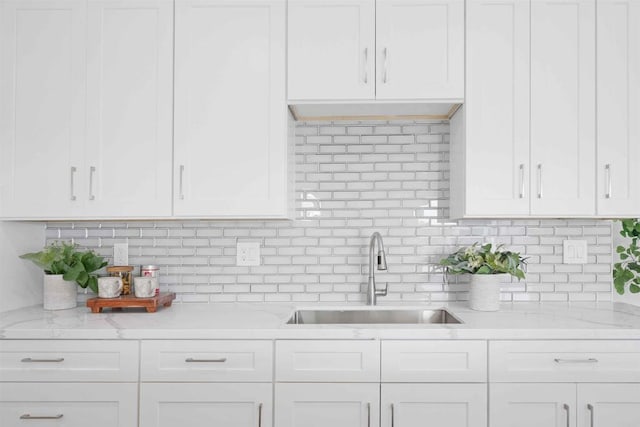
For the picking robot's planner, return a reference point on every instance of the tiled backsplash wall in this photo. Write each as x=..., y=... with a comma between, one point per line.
x=353, y=179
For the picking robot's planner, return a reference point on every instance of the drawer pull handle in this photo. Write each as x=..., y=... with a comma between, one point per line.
x=393, y=416
x=568, y=410
x=368, y=414
x=40, y=417
x=260, y=415
x=590, y=408
x=590, y=360
x=192, y=360
x=30, y=360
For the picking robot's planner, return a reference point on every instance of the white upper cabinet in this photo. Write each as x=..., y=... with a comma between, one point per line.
x=563, y=107
x=42, y=93
x=618, y=107
x=420, y=49
x=129, y=108
x=230, y=143
x=331, y=49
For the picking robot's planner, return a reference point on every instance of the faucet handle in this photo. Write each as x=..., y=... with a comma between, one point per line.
x=382, y=292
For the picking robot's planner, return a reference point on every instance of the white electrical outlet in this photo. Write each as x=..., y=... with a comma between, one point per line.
x=248, y=253
x=574, y=251
x=120, y=254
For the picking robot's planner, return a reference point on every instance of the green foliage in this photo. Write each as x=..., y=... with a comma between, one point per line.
x=478, y=259
x=627, y=271
x=76, y=266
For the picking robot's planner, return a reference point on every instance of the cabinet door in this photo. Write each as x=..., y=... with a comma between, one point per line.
x=129, y=108
x=497, y=108
x=321, y=405
x=68, y=404
x=331, y=49
x=608, y=405
x=202, y=404
x=563, y=107
x=532, y=405
x=230, y=109
x=450, y=405
x=420, y=49
x=42, y=90
x=618, y=107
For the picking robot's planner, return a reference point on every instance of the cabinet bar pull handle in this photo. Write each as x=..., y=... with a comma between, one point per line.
x=192, y=360
x=590, y=408
x=368, y=414
x=366, y=65
x=385, y=71
x=92, y=171
x=393, y=416
x=521, y=168
x=539, y=180
x=181, y=182
x=30, y=360
x=73, y=191
x=260, y=415
x=607, y=170
x=567, y=409
x=590, y=360
x=41, y=417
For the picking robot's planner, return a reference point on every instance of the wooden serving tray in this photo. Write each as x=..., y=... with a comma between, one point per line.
x=130, y=301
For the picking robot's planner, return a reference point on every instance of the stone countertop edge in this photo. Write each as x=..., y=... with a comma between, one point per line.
x=514, y=321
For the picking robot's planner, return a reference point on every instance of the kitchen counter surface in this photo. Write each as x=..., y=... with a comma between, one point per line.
x=268, y=321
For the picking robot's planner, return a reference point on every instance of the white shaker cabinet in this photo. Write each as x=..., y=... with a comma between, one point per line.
x=230, y=146
x=608, y=405
x=331, y=49
x=618, y=107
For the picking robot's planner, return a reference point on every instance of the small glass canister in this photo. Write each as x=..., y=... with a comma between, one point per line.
x=150, y=271
x=124, y=272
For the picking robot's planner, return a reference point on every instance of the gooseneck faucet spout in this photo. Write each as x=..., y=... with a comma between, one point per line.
x=380, y=262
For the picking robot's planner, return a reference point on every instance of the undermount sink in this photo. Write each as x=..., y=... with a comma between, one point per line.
x=372, y=316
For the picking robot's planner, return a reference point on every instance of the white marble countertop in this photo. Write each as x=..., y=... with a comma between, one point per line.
x=268, y=321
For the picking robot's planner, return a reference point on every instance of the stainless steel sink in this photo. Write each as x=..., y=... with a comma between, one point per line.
x=372, y=316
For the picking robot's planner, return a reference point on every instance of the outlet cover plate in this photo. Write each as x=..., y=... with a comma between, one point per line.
x=121, y=254
x=247, y=253
x=574, y=251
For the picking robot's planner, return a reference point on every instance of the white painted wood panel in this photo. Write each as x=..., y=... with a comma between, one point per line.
x=64, y=360
x=331, y=49
x=434, y=361
x=450, y=405
x=564, y=361
x=420, y=49
x=328, y=361
x=207, y=360
x=608, y=405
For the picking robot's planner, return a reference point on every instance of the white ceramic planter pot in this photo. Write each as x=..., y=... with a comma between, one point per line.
x=59, y=294
x=484, y=291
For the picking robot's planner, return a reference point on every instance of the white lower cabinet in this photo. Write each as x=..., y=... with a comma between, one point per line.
x=205, y=404
x=608, y=405
x=327, y=404
x=417, y=405
x=68, y=404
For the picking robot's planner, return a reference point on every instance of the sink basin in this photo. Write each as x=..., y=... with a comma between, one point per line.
x=372, y=316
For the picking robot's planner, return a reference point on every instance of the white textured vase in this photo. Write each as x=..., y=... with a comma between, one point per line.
x=484, y=291
x=59, y=294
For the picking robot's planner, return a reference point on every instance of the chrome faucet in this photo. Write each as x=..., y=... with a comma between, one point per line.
x=381, y=264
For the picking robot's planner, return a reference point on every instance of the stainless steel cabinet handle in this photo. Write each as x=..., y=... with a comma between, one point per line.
x=73, y=191
x=539, y=180
x=590, y=408
x=192, y=360
x=607, y=171
x=181, y=182
x=366, y=65
x=92, y=171
x=385, y=72
x=590, y=360
x=521, y=168
x=368, y=414
x=41, y=417
x=568, y=410
x=260, y=415
x=393, y=416
x=30, y=360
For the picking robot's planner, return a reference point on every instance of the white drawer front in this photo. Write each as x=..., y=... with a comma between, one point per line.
x=564, y=361
x=328, y=361
x=205, y=361
x=434, y=361
x=69, y=361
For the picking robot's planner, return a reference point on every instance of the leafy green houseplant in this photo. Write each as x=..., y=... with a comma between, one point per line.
x=627, y=271
x=477, y=259
x=74, y=265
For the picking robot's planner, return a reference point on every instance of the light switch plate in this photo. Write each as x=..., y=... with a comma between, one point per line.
x=574, y=252
x=247, y=253
x=121, y=254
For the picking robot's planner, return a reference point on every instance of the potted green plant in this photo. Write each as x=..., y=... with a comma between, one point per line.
x=488, y=268
x=65, y=267
x=627, y=271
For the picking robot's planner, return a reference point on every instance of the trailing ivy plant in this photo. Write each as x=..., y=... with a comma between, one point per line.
x=627, y=271
x=74, y=265
x=477, y=259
